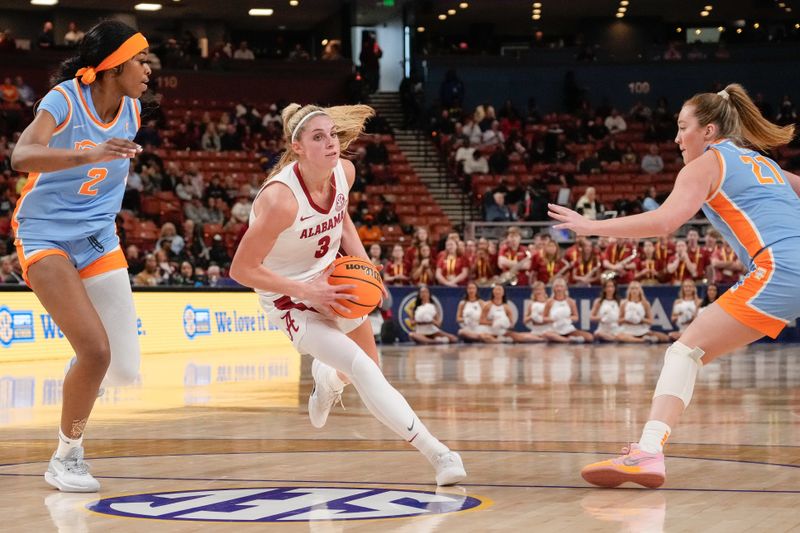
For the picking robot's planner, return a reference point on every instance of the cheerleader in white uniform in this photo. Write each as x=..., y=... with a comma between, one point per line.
x=533, y=317
x=636, y=318
x=468, y=316
x=685, y=308
x=562, y=311
x=428, y=321
x=605, y=311
x=497, y=316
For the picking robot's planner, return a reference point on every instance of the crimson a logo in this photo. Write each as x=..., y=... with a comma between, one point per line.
x=285, y=504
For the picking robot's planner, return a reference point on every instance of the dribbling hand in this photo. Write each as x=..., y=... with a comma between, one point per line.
x=322, y=295
x=570, y=219
x=113, y=149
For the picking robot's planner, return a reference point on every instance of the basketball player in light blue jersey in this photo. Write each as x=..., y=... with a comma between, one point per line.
x=754, y=204
x=76, y=153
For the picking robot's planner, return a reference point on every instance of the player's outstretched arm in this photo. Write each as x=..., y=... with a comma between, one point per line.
x=691, y=189
x=31, y=153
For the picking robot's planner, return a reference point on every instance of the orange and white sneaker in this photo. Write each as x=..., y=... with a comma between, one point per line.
x=634, y=465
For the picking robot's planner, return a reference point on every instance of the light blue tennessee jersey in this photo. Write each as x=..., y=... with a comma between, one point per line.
x=77, y=202
x=754, y=205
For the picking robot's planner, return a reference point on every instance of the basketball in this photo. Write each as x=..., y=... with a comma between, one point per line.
x=349, y=270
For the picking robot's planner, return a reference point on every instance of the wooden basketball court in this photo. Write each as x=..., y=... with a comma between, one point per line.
x=525, y=418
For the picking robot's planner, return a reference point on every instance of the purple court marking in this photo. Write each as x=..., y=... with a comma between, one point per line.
x=395, y=483
x=284, y=504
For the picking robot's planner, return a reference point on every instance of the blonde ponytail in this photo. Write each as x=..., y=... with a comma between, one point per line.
x=349, y=121
x=739, y=119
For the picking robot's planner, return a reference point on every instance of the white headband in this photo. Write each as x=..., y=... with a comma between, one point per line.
x=723, y=93
x=297, y=128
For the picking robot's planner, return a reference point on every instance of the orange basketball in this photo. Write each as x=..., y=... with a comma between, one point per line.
x=349, y=270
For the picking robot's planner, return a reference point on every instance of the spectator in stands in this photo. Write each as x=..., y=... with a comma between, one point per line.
x=149, y=276
x=26, y=94
x=589, y=163
x=786, y=112
x=514, y=262
x=652, y=162
x=629, y=157
x=588, y=204
x=597, y=130
x=332, y=51
x=10, y=95
x=587, y=264
x=210, y=140
x=496, y=208
x=726, y=267
x=618, y=259
x=230, y=140
x=74, y=36
x=650, y=203
x=464, y=152
x=492, y=136
x=184, y=276
x=369, y=58
x=680, y=266
x=609, y=153
x=133, y=189
x=7, y=41
x=615, y=122
x=452, y=269
x=672, y=53
x=299, y=53
x=185, y=138
x=636, y=318
x=134, y=258
x=170, y=235
x=369, y=232
x=451, y=91
x=685, y=308
x=148, y=135
x=243, y=52
x=649, y=269
x=240, y=212
x=214, y=275
x=477, y=164
x=422, y=271
x=375, y=152
x=397, y=270
x=498, y=161
x=186, y=190
x=214, y=207
x=695, y=54
x=218, y=253
x=550, y=264
x=696, y=253
x=46, y=39
x=387, y=215
x=427, y=321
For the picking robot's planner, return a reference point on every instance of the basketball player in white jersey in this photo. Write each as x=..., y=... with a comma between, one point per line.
x=298, y=223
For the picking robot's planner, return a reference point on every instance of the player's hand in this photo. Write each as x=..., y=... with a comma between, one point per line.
x=323, y=296
x=570, y=220
x=113, y=149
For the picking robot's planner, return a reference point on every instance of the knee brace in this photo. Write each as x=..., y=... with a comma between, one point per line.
x=681, y=365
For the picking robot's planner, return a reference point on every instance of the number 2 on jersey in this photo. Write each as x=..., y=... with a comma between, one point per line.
x=323, y=244
x=757, y=165
x=97, y=175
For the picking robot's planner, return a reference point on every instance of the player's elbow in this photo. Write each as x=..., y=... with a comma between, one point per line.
x=18, y=162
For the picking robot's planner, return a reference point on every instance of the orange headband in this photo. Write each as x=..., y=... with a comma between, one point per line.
x=135, y=44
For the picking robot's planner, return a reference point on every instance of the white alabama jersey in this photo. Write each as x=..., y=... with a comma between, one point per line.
x=307, y=247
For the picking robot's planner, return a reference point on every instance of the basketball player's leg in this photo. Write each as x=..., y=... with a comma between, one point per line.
x=323, y=341
x=59, y=288
x=714, y=333
x=111, y=295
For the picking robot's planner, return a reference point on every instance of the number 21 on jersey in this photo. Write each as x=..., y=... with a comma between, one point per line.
x=757, y=165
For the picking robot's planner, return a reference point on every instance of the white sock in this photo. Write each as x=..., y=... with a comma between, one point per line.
x=654, y=436
x=66, y=444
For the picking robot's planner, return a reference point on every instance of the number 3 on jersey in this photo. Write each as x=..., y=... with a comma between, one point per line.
x=757, y=165
x=323, y=244
x=96, y=175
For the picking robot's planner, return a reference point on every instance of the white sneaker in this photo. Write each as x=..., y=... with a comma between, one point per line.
x=71, y=474
x=449, y=468
x=322, y=397
x=71, y=363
